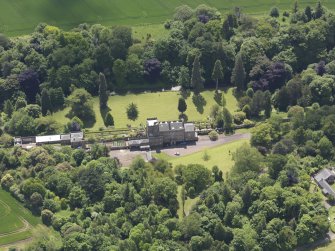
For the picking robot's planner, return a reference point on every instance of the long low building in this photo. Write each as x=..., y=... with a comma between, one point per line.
x=48, y=139
x=74, y=139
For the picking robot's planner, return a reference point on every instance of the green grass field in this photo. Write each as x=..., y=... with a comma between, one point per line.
x=189, y=203
x=331, y=212
x=9, y=220
x=11, y=215
x=157, y=31
x=329, y=247
x=159, y=104
x=19, y=17
x=219, y=155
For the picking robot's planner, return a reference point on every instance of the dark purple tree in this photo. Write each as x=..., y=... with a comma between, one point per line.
x=274, y=77
x=29, y=83
x=152, y=69
x=203, y=18
x=320, y=68
x=75, y=126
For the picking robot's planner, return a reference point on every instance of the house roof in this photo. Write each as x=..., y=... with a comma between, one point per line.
x=176, y=125
x=151, y=122
x=65, y=136
x=138, y=142
x=324, y=174
x=189, y=127
x=164, y=127
x=47, y=138
x=326, y=188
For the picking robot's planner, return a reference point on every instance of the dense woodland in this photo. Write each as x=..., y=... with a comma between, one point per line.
x=285, y=61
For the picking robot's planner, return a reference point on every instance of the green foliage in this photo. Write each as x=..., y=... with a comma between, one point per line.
x=217, y=73
x=80, y=102
x=103, y=94
x=238, y=77
x=21, y=124
x=56, y=99
x=109, y=120
x=274, y=12
x=196, y=79
x=183, y=13
x=263, y=135
x=184, y=78
x=196, y=176
x=227, y=120
x=326, y=148
x=239, y=117
x=267, y=104
x=33, y=111
x=182, y=106
x=20, y=103
x=247, y=159
x=8, y=108
x=165, y=194
x=132, y=111
x=213, y=135
x=191, y=226
x=45, y=102
x=265, y=203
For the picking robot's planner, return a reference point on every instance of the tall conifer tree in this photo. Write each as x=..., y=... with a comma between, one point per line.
x=45, y=102
x=196, y=80
x=103, y=95
x=217, y=73
x=238, y=77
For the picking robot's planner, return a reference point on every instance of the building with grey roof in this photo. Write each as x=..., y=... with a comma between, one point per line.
x=74, y=139
x=169, y=132
x=324, y=178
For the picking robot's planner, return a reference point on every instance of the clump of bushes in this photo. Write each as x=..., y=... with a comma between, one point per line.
x=239, y=118
x=213, y=135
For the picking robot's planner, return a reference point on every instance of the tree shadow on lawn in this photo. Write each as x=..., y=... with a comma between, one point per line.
x=218, y=97
x=185, y=93
x=103, y=112
x=199, y=102
x=87, y=122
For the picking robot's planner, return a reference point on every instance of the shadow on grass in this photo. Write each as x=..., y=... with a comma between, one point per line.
x=103, y=112
x=218, y=97
x=185, y=93
x=88, y=121
x=199, y=103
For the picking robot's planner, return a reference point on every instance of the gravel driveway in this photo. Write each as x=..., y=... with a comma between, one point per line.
x=126, y=156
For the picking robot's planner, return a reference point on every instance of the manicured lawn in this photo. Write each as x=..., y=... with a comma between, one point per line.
x=17, y=209
x=15, y=237
x=219, y=155
x=11, y=213
x=157, y=31
x=332, y=218
x=162, y=105
x=19, y=17
x=329, y=247
x=189, y=203
x=9, y=220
